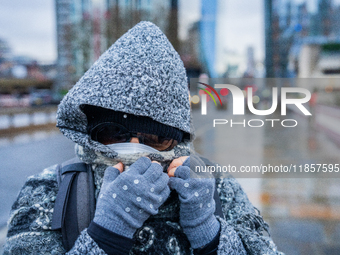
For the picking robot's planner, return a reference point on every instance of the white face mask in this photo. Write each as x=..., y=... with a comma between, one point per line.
x=129, y=148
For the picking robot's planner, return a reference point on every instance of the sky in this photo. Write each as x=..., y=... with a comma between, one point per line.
x=30, y=30
x=244, y=26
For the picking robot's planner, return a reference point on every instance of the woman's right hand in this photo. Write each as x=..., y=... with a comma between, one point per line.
x=128, y=198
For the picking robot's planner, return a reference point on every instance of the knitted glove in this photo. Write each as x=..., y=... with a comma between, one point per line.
x=197, y=204
x=126, y=200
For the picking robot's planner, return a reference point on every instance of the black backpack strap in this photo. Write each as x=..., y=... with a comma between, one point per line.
x=218, y=210
x=75, y=203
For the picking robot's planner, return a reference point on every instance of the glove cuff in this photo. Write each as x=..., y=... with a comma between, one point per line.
x=203, y=233
x=116, y=226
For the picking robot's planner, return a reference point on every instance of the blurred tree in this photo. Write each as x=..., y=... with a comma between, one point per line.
x=119, y=19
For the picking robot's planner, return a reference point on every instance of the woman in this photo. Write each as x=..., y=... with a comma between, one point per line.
x=129, y=116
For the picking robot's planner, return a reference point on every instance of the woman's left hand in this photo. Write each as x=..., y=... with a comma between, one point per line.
x=196, y=195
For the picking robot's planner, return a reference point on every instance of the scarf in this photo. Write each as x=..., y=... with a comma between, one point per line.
x=161, y=233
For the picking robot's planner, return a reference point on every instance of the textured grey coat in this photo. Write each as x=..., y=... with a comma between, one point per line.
x=242, y=228
x=143, y=75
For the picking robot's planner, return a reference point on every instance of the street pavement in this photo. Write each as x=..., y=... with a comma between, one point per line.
x=24, y=156
x=303, y=210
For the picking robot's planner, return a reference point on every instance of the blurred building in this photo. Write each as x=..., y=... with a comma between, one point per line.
x=251, y=69
x=204, y=49
x=323, y=22
x=5, y=51
x=288, y=22
x=207, y=29
x=86, y=28
x=191, y=53
x=319, y=60
x=5, y=59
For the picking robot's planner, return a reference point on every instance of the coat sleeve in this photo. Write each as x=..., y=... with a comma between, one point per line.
x=29, y=226
x=243, y=230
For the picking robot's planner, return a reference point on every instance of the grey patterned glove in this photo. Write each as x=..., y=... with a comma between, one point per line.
x=126, y=200
x=197, y=205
